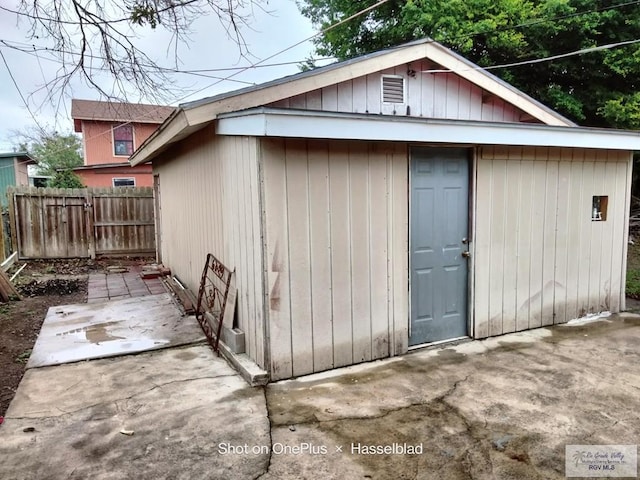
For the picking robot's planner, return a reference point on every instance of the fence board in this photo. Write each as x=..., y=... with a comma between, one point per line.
x=82, y=223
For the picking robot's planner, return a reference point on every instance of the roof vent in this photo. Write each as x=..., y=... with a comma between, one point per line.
x=392, y=89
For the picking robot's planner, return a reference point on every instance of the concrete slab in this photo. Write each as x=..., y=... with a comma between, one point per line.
x=502, y=408
x=176, y=407
x=72, y=333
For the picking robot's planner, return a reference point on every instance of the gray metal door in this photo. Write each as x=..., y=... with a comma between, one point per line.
x=438, y=231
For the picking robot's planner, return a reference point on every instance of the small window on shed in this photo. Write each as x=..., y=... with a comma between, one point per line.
x=392, y=89
x=599, y=208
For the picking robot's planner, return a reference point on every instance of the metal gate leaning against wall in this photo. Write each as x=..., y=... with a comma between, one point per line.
x=82, y=223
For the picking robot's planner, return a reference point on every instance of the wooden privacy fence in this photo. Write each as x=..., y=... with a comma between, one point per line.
x=82, y=222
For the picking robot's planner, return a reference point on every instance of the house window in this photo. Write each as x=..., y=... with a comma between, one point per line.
x=599, y=206
x=123, y=140
x=124, y=182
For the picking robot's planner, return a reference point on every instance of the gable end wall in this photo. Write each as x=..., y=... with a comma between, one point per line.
x=428, y=95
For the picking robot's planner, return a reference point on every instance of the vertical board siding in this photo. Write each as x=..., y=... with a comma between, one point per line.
x=320, y=248
x=340, y=210
x=297, y=221
x=428, y=94
x=511, y=226
x=210, y=204
x=398, y=244
x=359, y=226
x=539, y=258
x=336, y=244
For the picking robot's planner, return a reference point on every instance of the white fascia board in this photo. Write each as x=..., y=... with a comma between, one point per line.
x=303, y=124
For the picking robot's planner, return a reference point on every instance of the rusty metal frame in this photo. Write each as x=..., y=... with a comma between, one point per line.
x=212, y=298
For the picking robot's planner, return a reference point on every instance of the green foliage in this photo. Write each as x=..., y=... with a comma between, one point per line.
x=623, y=111
x=65, y=179
x=633, y=283
x=144, y=12
x=308, y=64
x=57, y=154
x=633, y=269
x=23, y=357
x=53, y=151
x=597, y=88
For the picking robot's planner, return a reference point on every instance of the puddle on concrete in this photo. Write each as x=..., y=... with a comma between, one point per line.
x=94, y=333
x=509, y=346
x=592, y=329
x=98, y=333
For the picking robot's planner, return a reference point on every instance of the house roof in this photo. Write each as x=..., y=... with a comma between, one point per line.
x=118, y=112
x=192, y=116
x=20, y=155
x=101, y=166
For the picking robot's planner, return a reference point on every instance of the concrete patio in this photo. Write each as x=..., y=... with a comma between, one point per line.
x=71, y=333
x=502, y=408
x=121, y=282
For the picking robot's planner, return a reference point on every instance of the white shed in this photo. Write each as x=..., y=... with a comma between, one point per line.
x=391, y=201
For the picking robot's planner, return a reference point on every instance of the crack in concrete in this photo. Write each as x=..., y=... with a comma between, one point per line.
x=117, y=400
x=266, y=404
x=469, y=427
x=386, y=412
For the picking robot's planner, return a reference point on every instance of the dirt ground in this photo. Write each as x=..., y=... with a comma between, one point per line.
x=42, y=284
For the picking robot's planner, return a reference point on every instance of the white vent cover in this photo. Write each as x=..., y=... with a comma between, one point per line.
x=392, y=89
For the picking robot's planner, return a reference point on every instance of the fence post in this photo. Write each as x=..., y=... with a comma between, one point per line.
x=3, y=253
x=13, y=226
x=91, y=232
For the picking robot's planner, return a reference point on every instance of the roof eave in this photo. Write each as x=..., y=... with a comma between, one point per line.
x=271, y=122
x=173, y=129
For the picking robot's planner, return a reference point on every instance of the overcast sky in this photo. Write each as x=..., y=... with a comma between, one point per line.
x=209, y=48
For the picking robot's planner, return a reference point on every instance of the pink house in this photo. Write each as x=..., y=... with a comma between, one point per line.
x=111, y=132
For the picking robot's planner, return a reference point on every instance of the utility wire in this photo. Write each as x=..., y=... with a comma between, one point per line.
x=368, y=9
x=533, y=61
x=538, y=60
x=31, y=49
x=4, y=60
x=320, y=32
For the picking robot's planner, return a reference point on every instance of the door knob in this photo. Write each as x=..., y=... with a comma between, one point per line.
x=466, y=254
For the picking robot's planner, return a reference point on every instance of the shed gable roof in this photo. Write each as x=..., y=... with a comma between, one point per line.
x=192, y=116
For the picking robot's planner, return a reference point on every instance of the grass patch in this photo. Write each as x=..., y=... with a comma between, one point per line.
x=633, y=271
x=24, y=356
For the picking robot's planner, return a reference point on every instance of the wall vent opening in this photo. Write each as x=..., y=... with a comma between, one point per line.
x=392, y=89
x=599, y=206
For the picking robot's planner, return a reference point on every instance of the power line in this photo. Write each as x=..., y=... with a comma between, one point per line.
x=261, y=63
x=539, y=60
x=195, y=72
x=320, y=32
x=267, y=58
x=4, y=60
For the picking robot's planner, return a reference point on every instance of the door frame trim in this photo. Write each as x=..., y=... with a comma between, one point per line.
x=472, y=159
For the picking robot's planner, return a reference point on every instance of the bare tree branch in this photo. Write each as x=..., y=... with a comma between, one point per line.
x=79, y=29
